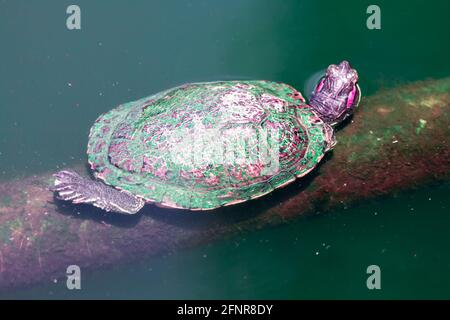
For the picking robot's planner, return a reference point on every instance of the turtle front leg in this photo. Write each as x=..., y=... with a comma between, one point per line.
x=70, y=186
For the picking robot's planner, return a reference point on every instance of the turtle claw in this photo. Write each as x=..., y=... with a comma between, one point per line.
x=68, y=186
x=66, y=176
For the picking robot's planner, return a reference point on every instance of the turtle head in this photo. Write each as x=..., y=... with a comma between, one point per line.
x=337, y=94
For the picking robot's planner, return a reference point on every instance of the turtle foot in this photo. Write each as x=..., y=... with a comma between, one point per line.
x=70, y=186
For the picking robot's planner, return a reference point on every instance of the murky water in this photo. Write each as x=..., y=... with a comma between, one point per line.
x=54, y=83
x=319, y=257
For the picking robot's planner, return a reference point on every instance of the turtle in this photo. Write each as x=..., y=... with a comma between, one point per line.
x=201, y=146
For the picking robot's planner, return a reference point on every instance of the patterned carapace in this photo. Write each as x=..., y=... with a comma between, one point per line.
x=205, y=145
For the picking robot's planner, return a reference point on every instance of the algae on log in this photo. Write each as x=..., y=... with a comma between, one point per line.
x=398, y=139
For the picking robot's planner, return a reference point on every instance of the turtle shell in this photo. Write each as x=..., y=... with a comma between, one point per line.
x=206, y=145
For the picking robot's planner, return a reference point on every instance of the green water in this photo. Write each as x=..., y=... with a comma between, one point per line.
x=319, y=257
x=55, y=82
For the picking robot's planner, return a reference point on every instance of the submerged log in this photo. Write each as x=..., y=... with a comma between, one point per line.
x=397, y=140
